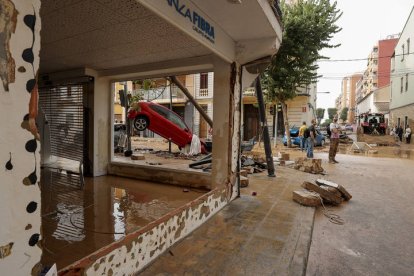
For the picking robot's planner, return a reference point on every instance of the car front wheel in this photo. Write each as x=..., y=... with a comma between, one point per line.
x=141, y=123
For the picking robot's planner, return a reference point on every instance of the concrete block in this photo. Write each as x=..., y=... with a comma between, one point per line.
x=137, y=157
x=344, y=193
x=306, y=198
x=325, y=193
x=244, y=182
x=243, y=173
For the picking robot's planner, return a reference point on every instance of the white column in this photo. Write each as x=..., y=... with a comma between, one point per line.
x=19, y=150
x=226, y=126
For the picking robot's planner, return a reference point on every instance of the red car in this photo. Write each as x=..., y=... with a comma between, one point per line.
x=162, y=121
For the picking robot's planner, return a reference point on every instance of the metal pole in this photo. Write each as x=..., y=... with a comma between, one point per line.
x=276, y=118
x=128, y=152
x=169, y=139
x=266, y=137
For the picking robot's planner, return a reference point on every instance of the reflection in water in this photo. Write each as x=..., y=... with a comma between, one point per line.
x=76, y=222
x=70, y=223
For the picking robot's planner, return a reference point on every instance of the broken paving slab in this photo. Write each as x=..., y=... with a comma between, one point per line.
x=309, y=165
x=327, y=195
x=244, y=182
x=345, y=194
x=306, y=198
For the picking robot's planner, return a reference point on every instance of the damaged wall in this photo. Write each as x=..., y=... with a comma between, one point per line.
x=138, y=249
x=19, y=149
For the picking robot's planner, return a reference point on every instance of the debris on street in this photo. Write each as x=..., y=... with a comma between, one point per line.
x=135, y=156
x=307, y=198
x=325, y=191
x=309, y=165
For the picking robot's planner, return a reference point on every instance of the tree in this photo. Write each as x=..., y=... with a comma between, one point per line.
x=308, y=28
x=327, y=122
x=332, y=112
x=344, y=114
x=320, y=113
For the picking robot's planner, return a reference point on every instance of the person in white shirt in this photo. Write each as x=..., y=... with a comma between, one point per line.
x=408, y=134
x=334, y=140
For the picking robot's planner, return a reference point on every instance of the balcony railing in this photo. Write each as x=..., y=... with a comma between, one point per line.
x=203, y=92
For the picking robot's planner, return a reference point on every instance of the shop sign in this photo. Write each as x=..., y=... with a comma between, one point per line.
x=200, y=24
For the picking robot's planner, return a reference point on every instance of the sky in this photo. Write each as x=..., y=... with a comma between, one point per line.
x=363, y=23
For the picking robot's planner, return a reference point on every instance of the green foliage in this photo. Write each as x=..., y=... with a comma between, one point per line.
x=320, y=113
x=344, y=114
x=308, y=28
x=326, y=123
x=332, y=112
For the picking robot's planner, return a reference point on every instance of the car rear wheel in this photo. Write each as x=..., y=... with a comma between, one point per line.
x=141, y=123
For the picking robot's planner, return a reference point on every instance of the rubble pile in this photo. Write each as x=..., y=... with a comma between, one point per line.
x=322, y=190
x=309, y=165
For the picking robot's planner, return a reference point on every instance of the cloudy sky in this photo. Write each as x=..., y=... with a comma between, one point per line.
x=363, y=23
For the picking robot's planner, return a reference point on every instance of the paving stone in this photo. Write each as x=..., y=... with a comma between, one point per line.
x=324, y=193
x=306, y=198
x=345, y=194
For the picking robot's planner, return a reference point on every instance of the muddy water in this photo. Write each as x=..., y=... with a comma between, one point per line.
x=78, y=222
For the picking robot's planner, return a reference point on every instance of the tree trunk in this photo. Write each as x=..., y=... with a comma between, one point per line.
x=286, y=123
x=187, y=93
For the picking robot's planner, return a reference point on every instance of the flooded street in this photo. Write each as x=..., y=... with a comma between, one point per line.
x=78, y=222
x=376, y=238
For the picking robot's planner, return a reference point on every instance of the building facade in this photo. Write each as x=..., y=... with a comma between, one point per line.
x=402, y=78
x=376, y=78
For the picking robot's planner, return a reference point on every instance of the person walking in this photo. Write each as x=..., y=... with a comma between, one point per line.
x=333, y=147
x=408, y=135
x=310, y=141
x=301, y=136
x=400, y=132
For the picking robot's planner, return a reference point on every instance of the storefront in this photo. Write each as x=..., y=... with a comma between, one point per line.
x=65, y=43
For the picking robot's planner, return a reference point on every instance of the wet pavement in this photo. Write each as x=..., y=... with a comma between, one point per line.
x=266, y=234
x=77, y=222
x=376, y=238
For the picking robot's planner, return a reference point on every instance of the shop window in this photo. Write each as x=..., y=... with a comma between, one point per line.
x=204, y=81
x=406, y=82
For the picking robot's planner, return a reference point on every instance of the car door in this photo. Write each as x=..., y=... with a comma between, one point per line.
x=169, y=125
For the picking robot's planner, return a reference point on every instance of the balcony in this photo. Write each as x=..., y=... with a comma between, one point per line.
x=203, y=92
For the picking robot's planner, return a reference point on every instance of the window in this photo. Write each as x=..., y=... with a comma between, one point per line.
x=401, y=84
x=406, y=82
x=375, y=61
x=204, y=81
x=402, y=56
x=408, y=46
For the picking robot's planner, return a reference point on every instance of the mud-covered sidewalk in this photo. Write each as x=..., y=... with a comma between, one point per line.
x=254, y=235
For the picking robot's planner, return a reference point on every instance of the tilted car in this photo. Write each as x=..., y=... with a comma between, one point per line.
x=163, y=122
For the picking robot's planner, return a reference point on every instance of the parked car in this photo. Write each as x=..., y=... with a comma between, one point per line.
x=162, y=121
x=295, y=140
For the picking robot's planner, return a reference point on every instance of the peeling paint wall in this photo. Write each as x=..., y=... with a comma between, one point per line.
x=19, y=149
x=138, y=249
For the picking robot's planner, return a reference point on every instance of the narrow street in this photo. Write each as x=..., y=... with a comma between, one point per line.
x=376, y=238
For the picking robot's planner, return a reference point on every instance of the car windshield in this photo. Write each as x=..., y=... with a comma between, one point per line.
x=169, y=115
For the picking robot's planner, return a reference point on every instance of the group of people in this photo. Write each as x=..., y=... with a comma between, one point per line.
x=308, y=139
x=398, y=133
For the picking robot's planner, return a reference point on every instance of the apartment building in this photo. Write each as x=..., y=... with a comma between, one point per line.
x=372, y=89
x=402, y=78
